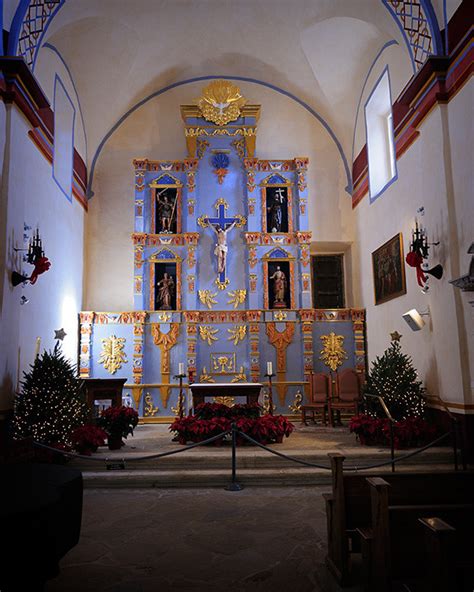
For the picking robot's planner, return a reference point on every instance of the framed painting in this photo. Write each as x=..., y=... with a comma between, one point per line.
x=389, y=270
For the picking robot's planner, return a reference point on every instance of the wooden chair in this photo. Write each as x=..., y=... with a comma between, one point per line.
x=319, y=394
x=347, y=393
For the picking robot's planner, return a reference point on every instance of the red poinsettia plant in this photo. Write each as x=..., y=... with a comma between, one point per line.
x=87, y=438
x=118, y=422
x=410, y=432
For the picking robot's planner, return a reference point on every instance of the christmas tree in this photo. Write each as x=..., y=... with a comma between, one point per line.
x=393, y=378
x=49, y=407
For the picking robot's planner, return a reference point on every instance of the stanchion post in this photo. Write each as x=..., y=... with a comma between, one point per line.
x=233, y=485
x=454, y=430
x=270, y=393
x=392, y=447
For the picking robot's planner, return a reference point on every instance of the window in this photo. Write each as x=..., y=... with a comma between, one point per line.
x=380, y=140
x=328, y=281
x=64, y=116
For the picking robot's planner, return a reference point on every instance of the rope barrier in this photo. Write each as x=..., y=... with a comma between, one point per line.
x=318, y=466
x=138, y=458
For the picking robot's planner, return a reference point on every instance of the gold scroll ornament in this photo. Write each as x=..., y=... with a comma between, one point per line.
x=165, y=341
x=333, y=354
x=112, y=355
x=281, y=341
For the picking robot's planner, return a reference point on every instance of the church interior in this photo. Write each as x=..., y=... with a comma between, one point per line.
x=246, y=205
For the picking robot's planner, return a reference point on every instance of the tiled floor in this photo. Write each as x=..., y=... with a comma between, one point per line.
x=258, y=539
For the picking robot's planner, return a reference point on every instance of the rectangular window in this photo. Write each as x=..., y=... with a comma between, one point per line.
x=328, y=281
x=380, y=139
x=64, y=116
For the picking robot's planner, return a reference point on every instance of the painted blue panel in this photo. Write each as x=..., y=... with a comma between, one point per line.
x=276, y=179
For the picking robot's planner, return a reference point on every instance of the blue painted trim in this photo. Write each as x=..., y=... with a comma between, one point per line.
x=55, y=50
x=49, y=21
x=446, y=36
x=57, y=80
x=388, y=44
x=16, y=26
x=434, y=26
x=2, y=48
x=372, y=198
x=200, y=79
x=403, y=32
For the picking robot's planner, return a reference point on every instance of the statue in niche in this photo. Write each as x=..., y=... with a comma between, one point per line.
x=279, y=288
x=277, y=217
x=221, y=245
x=165, y=292
x=166, y=210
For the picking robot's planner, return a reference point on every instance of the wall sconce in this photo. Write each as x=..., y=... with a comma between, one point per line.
x=34, y=256
x=414, y=319
x=418, y=255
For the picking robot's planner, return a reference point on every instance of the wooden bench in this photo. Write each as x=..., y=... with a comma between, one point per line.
x=394, y=545
x=348, y=507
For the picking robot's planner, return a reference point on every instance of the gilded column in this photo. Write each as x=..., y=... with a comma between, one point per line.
x=358, y=324
x=86, y=320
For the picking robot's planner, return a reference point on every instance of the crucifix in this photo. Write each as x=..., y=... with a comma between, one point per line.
x=221, y=225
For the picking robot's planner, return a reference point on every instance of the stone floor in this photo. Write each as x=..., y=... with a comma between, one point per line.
x=256, y=540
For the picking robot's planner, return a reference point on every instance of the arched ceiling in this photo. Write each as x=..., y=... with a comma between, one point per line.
x=118, y=53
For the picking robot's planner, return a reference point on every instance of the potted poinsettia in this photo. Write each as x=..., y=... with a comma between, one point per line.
x=87, y=438
x=118, y=422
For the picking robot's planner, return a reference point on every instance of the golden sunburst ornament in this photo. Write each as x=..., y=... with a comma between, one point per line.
x=221, y=102
x=333, y=353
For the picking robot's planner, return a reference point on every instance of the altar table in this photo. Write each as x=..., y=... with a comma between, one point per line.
x=249, y=390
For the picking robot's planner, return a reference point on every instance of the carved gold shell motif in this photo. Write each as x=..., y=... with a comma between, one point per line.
x=221, y=102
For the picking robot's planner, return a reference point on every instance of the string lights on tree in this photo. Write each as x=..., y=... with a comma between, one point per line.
x=49, y=407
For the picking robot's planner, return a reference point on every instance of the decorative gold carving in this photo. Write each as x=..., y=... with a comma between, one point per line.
x=306, y=281
x=112, y=355
x=148, y=409
x=279, y=316
x=237, y=297
x=333, y=353
x=239, y=146
x=222, y=285
x=207, y=298
x=223, y=363
x=241, y=376
x=296, y=407
x=194, y=132
x=164, y=317
x=237, y=334
x=228, y=401
x=253, y=282
x=221, y=316
x=221, y=102
x=205, y=377
x=280, y=341
x=202, y=145
x=208, y=334
x=165, y=341
x=191, y=279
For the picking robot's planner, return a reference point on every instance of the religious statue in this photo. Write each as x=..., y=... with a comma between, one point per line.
x=275, y=211
x=165, y=292
x=279, y=288
x=166, y=211
x=221, y=245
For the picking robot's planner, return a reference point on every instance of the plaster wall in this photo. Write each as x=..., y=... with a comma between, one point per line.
x=156, y=131
x=29, y=194
x=426, y=177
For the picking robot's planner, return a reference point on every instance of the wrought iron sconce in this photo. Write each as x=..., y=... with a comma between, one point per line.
x=34, y=256
x=418, y=255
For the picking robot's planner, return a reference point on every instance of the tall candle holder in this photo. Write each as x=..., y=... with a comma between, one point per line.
x=181, y=395
x=270, y=392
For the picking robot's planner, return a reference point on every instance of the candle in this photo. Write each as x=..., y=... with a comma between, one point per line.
x=37, y=348
x=269, y=368
x=181, y=368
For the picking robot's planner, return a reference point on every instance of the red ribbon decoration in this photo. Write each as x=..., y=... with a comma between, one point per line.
x=414, y=259
x=42, y=264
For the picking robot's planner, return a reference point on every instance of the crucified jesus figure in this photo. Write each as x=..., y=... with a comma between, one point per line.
x=221, y=245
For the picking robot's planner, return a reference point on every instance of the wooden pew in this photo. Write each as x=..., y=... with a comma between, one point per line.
x=394, y=545
x=348, y=507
